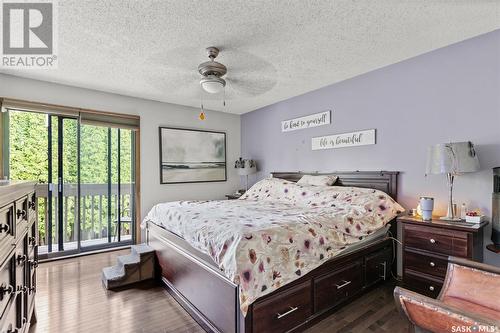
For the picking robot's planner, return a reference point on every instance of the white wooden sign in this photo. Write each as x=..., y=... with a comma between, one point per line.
x=312, y=120
x=352, y=139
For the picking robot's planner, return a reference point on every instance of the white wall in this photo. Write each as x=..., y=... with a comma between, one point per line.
x=153, y=114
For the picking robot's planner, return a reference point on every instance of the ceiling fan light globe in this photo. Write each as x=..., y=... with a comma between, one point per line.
x=212, y=84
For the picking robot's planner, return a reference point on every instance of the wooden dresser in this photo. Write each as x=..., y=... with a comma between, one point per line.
x=18, y=256
x=427, y=245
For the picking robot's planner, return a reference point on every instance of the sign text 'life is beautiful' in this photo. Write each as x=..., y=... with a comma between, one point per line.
x=360, y=138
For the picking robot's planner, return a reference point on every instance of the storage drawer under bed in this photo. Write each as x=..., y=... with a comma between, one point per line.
x=284, y=311
x=335, y=287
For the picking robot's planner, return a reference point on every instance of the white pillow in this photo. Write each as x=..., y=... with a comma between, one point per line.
x=321, y=180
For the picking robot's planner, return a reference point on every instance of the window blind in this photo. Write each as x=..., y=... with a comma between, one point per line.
x=90, y=117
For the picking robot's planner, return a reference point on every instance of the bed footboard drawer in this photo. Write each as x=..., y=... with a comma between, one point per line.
x=333, y=288
x=286, y=310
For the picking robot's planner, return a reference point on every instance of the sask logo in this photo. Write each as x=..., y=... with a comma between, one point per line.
x=28, y=35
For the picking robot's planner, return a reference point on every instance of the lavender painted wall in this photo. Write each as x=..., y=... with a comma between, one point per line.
x=451, y=94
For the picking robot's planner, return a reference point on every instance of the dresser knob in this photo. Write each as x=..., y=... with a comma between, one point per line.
x=21, y=213
x=5, y=290
x=432, y=240
x=431, y=288
x=4, y=228
x=432, y=264
x=21, y=259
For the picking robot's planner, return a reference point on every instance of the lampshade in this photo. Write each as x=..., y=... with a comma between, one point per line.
x=247, y=170
x=454, y=158
x=212, y=84
x=245, y=167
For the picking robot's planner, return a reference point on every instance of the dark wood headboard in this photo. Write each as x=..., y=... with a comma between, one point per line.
x=386, y=181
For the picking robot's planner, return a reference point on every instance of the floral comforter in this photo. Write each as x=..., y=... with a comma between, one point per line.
x=277, y=231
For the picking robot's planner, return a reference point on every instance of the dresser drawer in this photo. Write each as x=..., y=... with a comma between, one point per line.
x=32, y=238
x=10, y=319
x=32, y=207
x=426, y=263
x=436, y=240
x=21, y=215
x=423, y=283
x=20, y=260
x=284, y=311
x=7, y=283
x=31, y=284
x=333, y=288
x=7, y=227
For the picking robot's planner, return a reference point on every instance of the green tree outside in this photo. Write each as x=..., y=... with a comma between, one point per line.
x=28, y=160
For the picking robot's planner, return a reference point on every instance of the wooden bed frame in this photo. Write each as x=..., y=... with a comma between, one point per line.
x=213, y=300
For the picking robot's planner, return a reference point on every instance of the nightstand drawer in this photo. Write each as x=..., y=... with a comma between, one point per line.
x=436, y=240
x=422, y=283
x=429, y=264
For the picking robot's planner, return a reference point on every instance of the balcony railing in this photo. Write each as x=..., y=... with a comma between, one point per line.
x=100, y=209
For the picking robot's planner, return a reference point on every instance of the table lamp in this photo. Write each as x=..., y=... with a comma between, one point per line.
x=245, y=168
x=451, y=159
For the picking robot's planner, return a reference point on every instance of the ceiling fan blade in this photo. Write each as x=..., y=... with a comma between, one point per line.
x=251, y=86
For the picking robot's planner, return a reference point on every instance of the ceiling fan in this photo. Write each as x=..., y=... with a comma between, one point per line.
x=184, y=77
x=212, y=73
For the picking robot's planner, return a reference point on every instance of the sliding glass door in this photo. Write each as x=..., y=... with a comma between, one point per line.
x=86, y=180
x=62, y=188
x=106, y=186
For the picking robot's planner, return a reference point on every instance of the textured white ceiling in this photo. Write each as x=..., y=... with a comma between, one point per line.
x=273, y=49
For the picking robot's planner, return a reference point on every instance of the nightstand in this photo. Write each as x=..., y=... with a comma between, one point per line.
x=233, y=196
x=427, y=245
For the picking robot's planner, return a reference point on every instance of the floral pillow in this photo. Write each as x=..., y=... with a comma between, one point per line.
x=268, y=189
x=320, y=180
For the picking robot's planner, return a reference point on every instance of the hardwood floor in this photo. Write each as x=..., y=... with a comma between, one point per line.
x=70, y=298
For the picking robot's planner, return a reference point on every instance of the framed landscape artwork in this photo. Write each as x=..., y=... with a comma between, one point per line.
x=192, y=156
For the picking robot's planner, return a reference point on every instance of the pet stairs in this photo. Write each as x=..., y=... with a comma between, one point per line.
x=134, y=267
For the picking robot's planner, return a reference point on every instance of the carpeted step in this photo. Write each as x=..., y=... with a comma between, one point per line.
x=142, y=250
x=112, y=276
x=134, y=267
x=129, y=260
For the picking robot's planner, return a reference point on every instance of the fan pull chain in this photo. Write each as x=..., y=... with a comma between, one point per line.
x=201, y=116
x=224, y=98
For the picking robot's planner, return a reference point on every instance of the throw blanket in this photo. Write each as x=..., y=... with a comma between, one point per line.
x=277, y=231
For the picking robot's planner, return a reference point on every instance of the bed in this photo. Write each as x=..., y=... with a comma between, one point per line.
x=216, y=301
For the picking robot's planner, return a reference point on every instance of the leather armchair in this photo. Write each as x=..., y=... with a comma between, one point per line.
x=468, y=302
